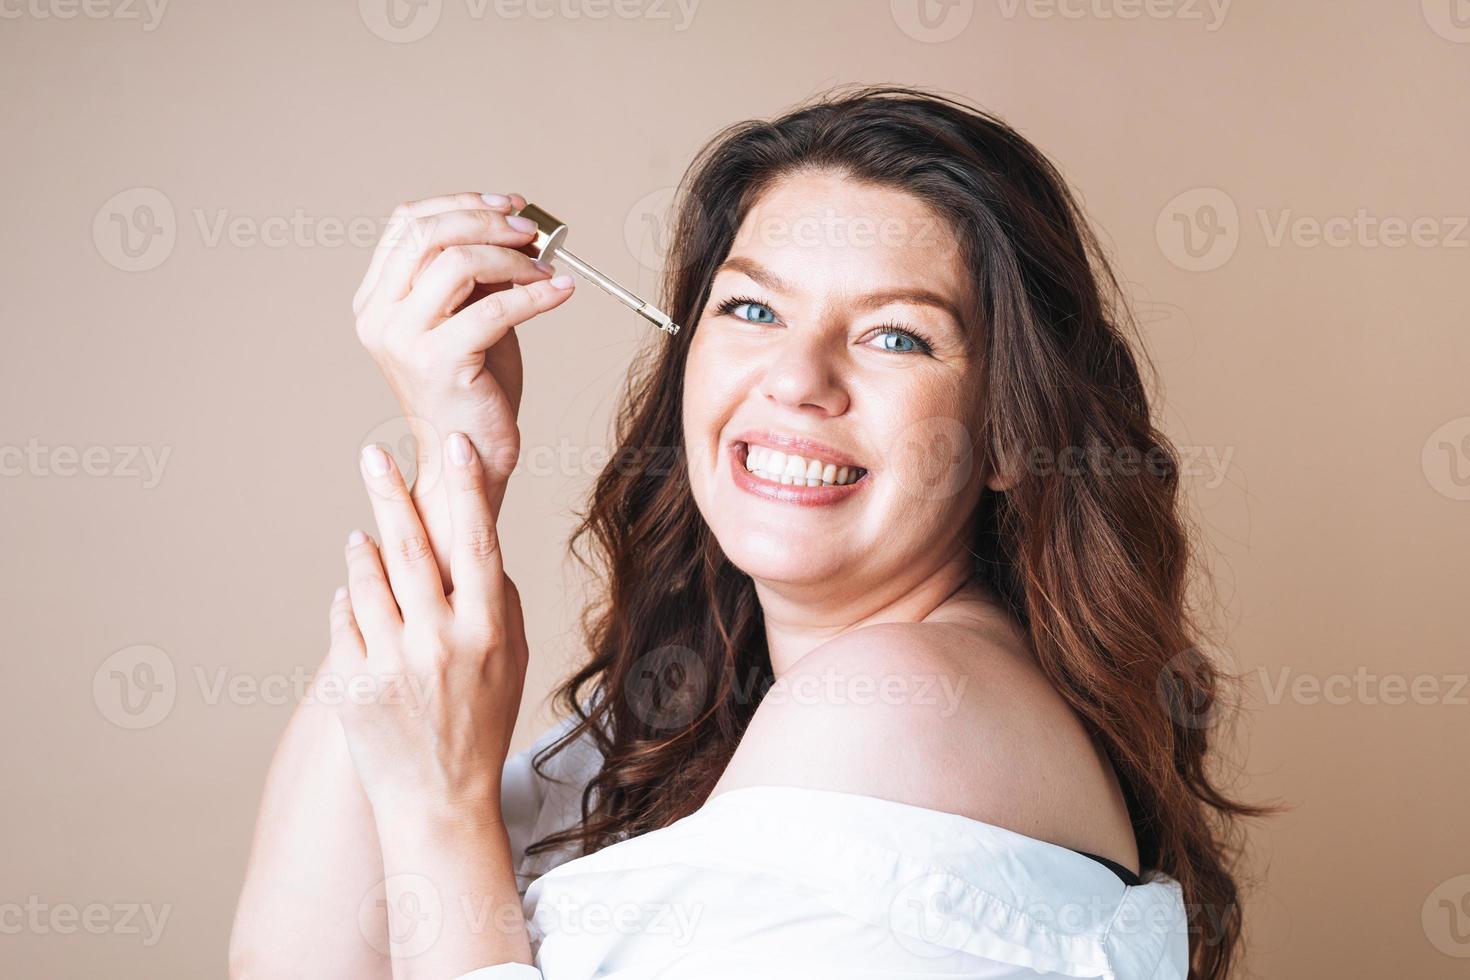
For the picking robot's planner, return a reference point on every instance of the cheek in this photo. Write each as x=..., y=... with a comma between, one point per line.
x=716, y=380
x=706, y=410
x=697, y=392
x=928, y=444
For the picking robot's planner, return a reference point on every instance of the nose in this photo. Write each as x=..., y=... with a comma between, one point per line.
x=804, y=374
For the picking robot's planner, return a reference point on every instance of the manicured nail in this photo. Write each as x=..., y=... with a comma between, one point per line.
x=520, y=222
x=543, y=265
x=459, y=448
x=355, y=538
x=496, y=200
x=562, y=282
x=340, y=594
x=375, y=460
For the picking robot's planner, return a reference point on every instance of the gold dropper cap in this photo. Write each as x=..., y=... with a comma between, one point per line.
x=551, y=234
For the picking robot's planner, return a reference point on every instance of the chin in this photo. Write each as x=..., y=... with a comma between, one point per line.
x=773, y=561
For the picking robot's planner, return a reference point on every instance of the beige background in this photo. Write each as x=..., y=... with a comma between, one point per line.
x=1326, y=377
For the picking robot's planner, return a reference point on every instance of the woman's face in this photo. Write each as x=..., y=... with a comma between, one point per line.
x=835, y=318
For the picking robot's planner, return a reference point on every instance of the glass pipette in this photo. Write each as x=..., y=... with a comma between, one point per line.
x=551, y=233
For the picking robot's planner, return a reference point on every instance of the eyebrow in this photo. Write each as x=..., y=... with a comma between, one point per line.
x=868, y=301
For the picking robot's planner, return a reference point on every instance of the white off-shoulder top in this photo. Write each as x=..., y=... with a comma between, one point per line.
x=791, y=882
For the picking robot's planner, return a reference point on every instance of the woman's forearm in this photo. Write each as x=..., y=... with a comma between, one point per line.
x=310, y=905
x=452, y=893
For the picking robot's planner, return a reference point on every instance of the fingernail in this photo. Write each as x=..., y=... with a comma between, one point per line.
x=355, y=538
x=375, y=460
x=340, y=594
x=459, y=448
x=543, y=265
x=562, y=282
x=496, y=200
x=520, y=222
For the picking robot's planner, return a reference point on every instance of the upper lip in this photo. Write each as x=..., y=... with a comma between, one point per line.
x=798, y=445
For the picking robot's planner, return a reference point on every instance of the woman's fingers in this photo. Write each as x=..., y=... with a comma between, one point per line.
x=412, y=569
x=475, y=561
x=348, y=650
x=480, y=325
x=454, y=272
x=396, y=234
x=345, y=634
x=373, y=607
x=425, y=238
x=397, y=225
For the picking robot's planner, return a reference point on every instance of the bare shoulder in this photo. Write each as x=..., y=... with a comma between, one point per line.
x=952, y=716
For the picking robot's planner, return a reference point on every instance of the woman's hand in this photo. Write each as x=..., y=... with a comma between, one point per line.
x=432, y=683
x=430, y=688
x=446, y=287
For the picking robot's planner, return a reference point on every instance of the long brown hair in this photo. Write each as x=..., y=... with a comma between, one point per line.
x=1092, y=560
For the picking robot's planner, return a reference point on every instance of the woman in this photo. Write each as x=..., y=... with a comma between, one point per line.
x=893, y=674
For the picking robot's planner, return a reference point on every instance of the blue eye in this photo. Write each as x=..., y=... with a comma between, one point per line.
x=905, y=341
x=912, y=342
x=740, y=303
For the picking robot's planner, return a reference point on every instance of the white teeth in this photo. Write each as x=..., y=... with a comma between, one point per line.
x=793, y=470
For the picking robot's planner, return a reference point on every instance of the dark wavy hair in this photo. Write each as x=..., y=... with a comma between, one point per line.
x=1093, y=562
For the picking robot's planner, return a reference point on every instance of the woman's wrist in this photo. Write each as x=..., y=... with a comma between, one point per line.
x=418, y=823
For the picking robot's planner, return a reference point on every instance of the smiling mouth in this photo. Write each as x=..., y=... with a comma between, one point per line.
x=788, y=469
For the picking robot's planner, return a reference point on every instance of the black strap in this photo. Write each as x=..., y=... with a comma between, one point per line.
x=1129, y=878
